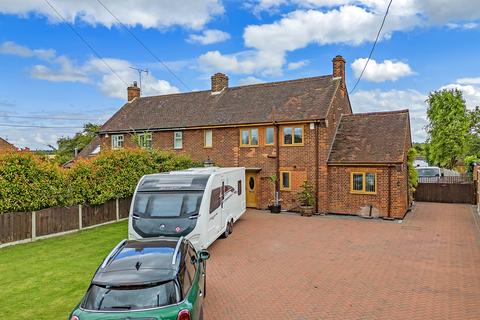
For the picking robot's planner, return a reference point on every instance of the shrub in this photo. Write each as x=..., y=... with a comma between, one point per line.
x=29, y=182
x=412, y=172
x=306, y=195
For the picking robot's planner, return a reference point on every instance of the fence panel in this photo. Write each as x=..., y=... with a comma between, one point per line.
x=92, y=215
x=446, y=192
x=55, y=220
x=15, y=226
x=124, y=207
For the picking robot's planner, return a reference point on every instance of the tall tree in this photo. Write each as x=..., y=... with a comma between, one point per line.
x=473, y=143
x=448, y=127
x=67, y=145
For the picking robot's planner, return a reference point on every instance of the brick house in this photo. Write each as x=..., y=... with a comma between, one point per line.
x=290, y=129
x=6, y=146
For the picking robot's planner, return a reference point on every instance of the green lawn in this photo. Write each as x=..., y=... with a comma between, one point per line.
x=46, y=279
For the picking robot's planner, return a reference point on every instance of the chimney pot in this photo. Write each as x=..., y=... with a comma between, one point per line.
x=219, y=82
x=339, y=71
x=133, y=91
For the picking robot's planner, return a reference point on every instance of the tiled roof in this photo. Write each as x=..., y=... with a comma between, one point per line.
x=90, y=149
x=371, y=138
x=302, y=99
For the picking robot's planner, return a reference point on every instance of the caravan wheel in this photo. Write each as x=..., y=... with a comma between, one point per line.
x=226, y=233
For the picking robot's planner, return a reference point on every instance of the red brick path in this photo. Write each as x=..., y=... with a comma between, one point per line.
x=291, y=267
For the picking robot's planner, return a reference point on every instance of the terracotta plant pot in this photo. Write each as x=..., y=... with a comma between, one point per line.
x=306, y=211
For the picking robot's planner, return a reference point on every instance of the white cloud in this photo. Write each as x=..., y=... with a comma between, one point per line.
x=468, y=80
x=246, y=62
x=249, y=80
x=381, y=71
x=378, y=100
x=160, y=14
x=471, y=93
x=465, y=26
x=297, y=64
x=12, y=48
x=209, y=37
x=95, y=71
x=66, y=72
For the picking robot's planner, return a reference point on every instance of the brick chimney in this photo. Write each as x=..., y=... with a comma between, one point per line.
x=133, y=91
x=339, y=71
x=219, y=82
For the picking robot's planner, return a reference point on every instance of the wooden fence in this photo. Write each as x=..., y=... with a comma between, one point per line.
x=22, y=227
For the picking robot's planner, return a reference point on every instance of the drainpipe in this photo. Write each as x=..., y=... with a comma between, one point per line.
x=389, y=191
x=277, y=163
x=317, y=162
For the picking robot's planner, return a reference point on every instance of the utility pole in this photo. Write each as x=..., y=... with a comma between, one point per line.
x=139, y=70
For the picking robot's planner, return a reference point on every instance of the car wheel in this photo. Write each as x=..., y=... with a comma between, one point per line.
x=231, y=226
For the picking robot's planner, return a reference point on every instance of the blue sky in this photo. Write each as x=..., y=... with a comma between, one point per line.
x=47, y=71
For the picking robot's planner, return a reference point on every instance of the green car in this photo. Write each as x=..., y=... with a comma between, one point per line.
x=158, y=279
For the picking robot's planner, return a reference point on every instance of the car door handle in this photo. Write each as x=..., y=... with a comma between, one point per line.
x=200, y=294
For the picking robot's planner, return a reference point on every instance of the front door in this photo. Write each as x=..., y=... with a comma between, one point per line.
x=251, y=188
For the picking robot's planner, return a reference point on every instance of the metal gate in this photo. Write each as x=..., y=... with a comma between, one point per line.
x=456, y=189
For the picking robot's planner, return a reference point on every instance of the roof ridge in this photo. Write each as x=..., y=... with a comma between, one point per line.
x=377, y=113
x=274, y=83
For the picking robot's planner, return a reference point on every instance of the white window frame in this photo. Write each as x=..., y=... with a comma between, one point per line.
x=117, y=139
x=208, y=135
x=143, y=138
x=177, y=139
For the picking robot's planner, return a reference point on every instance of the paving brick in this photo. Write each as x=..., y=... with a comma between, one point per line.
x=292, y=267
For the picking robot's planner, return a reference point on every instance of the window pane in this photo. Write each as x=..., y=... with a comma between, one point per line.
x=245, y=137
x=287, y=135
x=254, y=137
x=208, y=138
x=358, y=182
x=370, y=182
x=269, y=136
x=177, y=144
x=298, y=135
x=286, y=180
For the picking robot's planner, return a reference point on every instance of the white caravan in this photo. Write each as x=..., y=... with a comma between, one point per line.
x=200, y=204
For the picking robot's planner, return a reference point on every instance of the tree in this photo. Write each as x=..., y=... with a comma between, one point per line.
x=67, y=145
x=473, y=141
x=448, y=127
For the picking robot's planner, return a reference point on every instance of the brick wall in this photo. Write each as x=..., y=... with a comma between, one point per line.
x=342, y=201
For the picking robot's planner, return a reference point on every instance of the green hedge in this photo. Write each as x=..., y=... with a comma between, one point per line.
x=29, y=182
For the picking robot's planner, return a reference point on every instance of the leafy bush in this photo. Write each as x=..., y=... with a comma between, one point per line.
x=412, y=172
x=29, y=182
x=306, y=195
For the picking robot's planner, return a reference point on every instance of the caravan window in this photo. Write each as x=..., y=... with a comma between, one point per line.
x=167, y=204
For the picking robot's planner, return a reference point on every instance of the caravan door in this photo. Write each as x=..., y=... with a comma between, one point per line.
x=215, y=222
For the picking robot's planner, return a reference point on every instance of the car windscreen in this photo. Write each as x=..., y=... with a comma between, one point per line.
x=167, y=204
x=129, y=298
x=428, y=172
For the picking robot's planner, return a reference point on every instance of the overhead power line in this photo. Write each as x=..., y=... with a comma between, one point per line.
x=49, y=118
x=145, y=47
x=84, y=41
x=34, y=126
x=373, y=47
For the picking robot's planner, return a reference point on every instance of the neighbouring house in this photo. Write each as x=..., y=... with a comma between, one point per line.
x=297, y=130
x=6, y=146
x=90, y=150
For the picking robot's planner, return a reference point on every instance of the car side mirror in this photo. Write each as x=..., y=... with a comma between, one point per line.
x=204, y=255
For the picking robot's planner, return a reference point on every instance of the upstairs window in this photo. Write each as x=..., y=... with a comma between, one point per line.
x=249, y=137
x=208, y=138
x=363, y=182
x=293, y=136
x=178, y=140
x=145, y=140
x=269, y=136
x=117, y=141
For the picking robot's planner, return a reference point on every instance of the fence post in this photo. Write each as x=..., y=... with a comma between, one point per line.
x=117, y=208
x=34, y=225
x=80, y=227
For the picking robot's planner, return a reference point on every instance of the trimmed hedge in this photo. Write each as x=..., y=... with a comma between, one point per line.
x=29, y=182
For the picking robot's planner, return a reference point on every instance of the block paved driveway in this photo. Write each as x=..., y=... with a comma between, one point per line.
x=292, y=267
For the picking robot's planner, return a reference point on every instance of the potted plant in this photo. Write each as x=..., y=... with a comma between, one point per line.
x=275, y=207
x=307, y=199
